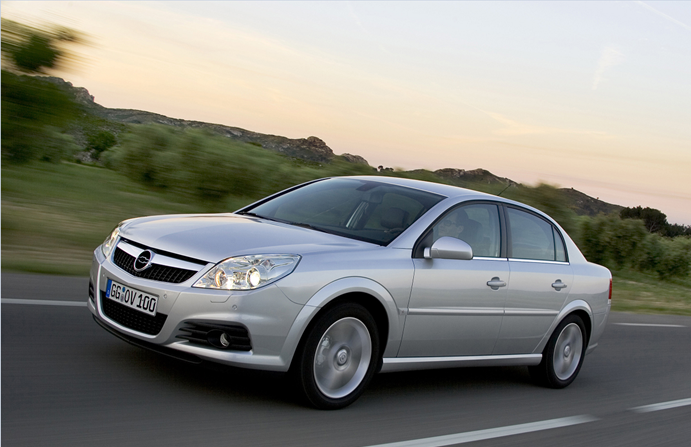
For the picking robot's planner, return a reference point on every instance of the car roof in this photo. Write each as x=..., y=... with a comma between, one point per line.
x=436, y=188
x=449, y=191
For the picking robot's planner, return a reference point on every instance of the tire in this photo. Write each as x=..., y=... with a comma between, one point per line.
x=563, y=356
x=339, y=357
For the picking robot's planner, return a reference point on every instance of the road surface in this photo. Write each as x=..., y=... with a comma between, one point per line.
x=66, y=381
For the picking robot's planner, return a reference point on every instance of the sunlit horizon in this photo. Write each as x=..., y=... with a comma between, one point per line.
x=589, y=95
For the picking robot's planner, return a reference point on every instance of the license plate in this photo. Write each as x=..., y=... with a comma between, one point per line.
x=130, y=297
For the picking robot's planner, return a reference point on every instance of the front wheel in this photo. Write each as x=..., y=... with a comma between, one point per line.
x=339, y=357
x=563, y=355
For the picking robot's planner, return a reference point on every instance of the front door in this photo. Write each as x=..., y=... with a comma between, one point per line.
x=453, y=311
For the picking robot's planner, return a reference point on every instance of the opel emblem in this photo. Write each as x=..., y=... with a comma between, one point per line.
x=143, y=261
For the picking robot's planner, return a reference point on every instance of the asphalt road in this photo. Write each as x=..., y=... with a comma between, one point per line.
x=66, y=381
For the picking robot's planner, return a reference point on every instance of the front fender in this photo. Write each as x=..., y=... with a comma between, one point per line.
x=337, y=289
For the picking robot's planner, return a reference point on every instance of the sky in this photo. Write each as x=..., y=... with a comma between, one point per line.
x=590, y=95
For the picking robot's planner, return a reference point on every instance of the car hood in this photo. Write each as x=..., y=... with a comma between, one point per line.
x=212, y=238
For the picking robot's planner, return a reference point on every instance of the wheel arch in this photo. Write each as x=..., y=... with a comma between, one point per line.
x=587, y=321
x=577, y=307
x=363, y=291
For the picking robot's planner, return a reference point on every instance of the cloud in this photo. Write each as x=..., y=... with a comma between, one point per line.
x=609, y=58
x=665, y=16
x=513, y=128
x=366, y=32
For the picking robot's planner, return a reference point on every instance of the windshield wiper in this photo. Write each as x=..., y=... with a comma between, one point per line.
x=247, y=213
x=297, y=224
x=306, y=225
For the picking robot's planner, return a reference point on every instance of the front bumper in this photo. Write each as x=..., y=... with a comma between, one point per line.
x=263, y=319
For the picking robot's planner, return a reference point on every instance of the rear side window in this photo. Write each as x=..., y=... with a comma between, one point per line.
x=533, y=237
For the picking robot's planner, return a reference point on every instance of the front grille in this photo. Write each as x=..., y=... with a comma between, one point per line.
x=156, y=272
x=132, y=319
x=198, y=333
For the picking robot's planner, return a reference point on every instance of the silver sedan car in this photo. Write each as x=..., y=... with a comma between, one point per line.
x=337, y=279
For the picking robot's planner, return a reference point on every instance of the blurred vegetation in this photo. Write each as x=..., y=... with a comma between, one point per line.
x=626, y=243
x=35, y=113
x=655, y=221
x=55, y=214
x=99, y=141
x=209, y=168
x=33, y=50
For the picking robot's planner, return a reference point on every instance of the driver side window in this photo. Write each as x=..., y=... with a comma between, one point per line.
x=476, y=224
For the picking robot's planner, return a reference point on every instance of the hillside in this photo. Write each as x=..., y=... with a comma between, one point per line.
x=583, y=204
x=312, y=148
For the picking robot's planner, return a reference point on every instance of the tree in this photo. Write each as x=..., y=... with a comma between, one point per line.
x=31, y=50
x=33, y=110
x=99, y=142
x=674, y=230
x=655, y=220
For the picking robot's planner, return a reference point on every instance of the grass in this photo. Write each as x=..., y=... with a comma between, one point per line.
x=55, y=215
x=642, y=293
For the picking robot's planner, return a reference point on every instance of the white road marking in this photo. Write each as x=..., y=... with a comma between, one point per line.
x=649, y=325
x=491, y=433
x=661, y=406
x=45, y=302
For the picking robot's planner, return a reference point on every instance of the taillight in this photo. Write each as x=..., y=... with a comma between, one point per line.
x=610, y=289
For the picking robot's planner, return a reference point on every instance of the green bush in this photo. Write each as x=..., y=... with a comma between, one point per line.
x=619, y=244
x=100, y=141
x=624, y=240
x=650, y=253
x=594, y=238
x=675, y=261
x=138, y=155
x=57, y=146
x=32, y=110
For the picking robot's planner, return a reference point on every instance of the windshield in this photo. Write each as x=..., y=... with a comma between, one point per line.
x=366, y=210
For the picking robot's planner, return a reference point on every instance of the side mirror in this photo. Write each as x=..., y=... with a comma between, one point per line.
x=449, y=248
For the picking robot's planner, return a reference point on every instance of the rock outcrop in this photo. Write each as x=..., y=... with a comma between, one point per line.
x=354, y=159
x=473, y=176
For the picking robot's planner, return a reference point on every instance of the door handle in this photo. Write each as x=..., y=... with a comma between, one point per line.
x=495, y=283
x=558, y=285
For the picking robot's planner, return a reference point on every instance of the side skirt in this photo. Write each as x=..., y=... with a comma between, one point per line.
x=417, y=363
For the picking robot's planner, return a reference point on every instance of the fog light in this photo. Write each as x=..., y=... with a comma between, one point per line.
x=218, y=339
x=225, y=340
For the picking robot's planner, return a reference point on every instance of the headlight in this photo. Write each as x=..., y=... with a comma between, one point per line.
x=109, y=243
x=248, y=272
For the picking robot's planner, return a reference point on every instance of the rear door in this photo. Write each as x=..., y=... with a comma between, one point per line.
x=541, y=278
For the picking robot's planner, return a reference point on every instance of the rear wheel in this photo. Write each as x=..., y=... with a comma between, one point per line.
x=339, y=357
x=563, y=355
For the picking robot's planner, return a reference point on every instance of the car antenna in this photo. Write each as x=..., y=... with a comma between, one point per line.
x=502, y=191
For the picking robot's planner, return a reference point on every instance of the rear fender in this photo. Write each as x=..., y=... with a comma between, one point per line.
x=573, y=306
